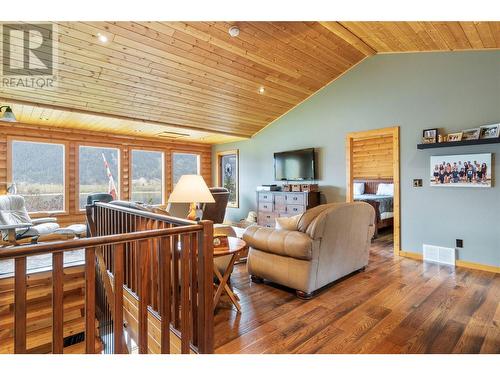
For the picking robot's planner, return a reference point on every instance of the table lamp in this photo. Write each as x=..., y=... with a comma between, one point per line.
x=192, y=189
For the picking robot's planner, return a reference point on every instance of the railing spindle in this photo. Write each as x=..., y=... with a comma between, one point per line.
x=185, y=309
x=20, y=306
x=90, y=300
x=143, y=295
x=119, y=254
x=164, y=263
x=57, y=302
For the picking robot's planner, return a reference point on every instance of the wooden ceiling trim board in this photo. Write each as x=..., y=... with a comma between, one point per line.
x=323, y=38
x=472, y=34
x=118, y=117
x=344, y=33
x=182, y=61
x=484, y=31
x=264, y=34
x=188, y=29
x=279, y=31
x=364, y=32
x=310, y=74
x=192, y=60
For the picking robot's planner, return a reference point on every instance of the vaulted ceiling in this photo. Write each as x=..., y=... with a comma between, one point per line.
x=194, y=79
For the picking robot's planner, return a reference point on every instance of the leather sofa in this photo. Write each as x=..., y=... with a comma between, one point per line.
x=330, y=242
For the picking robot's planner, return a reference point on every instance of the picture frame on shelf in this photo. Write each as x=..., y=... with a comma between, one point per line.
x=454, y=137
x=430, y=136
x=471, y=134
x=489, y=131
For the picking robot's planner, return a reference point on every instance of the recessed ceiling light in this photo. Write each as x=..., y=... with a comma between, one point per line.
x=262, y=90
x=102, y=38
x=234, y=31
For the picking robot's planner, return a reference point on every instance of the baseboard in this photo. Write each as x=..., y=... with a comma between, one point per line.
x=459, y=263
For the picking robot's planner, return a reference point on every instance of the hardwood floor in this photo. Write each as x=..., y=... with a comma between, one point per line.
x=398, y=305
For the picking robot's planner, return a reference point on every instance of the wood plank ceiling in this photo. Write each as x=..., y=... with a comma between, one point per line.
x=195, y=79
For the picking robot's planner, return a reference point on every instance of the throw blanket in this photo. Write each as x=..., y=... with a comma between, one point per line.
x=385, y=201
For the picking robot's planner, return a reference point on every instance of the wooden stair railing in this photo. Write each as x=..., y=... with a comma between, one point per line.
x=167, y=269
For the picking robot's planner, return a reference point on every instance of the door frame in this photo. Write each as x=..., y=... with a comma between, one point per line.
x=394, y=132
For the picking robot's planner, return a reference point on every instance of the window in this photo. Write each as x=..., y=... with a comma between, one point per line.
x=38, y=174
x=228, y=175
x=184, y=164
x=147, y=176
x=93, y=174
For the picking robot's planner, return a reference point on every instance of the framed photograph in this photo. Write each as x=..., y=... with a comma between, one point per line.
x=470, y=134
x=454, y=137
x=430, y=136
x=470, y=170
x=490, y=131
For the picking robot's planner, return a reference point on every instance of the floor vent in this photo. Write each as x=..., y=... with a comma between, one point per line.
x=437, y=254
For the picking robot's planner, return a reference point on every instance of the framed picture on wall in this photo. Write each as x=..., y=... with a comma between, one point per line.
x=228, y=175
x=469, y=170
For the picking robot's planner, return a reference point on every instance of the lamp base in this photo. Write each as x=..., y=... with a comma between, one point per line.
x=192, y=212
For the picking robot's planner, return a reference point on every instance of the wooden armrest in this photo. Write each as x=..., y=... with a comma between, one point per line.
x=16, y=226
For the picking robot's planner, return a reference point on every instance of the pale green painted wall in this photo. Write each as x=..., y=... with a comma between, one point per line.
x=453, y=91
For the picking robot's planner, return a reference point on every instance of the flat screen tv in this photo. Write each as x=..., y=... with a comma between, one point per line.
x=295, y=165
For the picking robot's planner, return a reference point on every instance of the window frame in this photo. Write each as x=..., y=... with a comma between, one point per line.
x=119, y=183
x=66, y=193
x=164, y=190
x=172, y=164
x=218, y=173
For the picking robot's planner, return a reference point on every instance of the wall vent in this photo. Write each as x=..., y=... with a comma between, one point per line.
x=172, y=135
x=438, y=254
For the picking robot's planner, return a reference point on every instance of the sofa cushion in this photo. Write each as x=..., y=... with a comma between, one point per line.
x=281, y=242
x=288, y=223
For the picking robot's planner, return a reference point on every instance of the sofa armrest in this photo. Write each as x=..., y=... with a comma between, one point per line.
x=289, y=243
x=43, y=220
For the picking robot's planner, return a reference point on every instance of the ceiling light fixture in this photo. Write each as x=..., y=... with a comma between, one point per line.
x=262, y=90
x=8, y=115
x=234, y=31
x=102, y=38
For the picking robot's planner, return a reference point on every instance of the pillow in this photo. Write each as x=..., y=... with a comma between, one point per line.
x=359, y=188
x=385, y=189
x=288, y=223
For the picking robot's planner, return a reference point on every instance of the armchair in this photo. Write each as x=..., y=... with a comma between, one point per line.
x=17, y=227
x=330, y=241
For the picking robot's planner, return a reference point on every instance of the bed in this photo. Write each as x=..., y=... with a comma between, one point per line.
x=382, y=203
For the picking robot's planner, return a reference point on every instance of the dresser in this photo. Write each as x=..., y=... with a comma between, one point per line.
x=273, y=204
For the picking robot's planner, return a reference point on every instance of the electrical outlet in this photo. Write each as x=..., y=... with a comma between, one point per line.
x=459, y=243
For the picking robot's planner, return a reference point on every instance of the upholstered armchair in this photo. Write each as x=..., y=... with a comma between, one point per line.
x=16, y=226
x=327, y=243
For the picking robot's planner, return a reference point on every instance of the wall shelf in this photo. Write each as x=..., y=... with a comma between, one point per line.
x=423, y=146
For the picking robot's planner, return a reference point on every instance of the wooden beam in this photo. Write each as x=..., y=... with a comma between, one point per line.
x=349, y=37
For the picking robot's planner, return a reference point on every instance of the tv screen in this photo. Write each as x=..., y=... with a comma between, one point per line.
x=294, y=165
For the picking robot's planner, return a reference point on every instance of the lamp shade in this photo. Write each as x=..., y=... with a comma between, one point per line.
x=8, y=115
x=191, y=188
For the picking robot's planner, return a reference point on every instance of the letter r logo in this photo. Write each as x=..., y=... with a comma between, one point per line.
x=27, y=49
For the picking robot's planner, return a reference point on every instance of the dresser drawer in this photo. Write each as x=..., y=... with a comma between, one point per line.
x=265, y=197
x=295, y=209
x=279, y=199
x=266, y=219
x=295, y=199
x=265, y=206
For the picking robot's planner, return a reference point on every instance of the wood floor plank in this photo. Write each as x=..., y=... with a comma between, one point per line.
x=398, y=305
